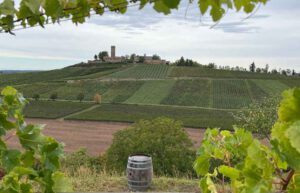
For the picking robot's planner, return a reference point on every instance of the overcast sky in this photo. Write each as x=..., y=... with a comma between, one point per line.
x=271, y=36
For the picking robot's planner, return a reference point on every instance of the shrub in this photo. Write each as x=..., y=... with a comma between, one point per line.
x=80, y=158
x=80, y=96
x=258, y=117
x=36, y=97
x=53, y=96
x=162, y=138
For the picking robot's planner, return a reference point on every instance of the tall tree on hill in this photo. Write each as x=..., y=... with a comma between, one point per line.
x=102, y=54
x=266, y=69
x=252, y=67
x=96, y=57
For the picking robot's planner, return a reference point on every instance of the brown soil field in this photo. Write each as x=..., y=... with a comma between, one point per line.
x=96, y=137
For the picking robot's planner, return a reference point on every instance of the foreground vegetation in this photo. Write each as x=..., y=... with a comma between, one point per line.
x=86, y=180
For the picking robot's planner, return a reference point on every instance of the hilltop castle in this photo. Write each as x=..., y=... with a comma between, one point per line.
x=123, y=59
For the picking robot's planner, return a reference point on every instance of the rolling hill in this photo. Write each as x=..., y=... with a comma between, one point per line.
x=197, y=96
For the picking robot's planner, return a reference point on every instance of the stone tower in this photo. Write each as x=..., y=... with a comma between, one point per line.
x=113, y=52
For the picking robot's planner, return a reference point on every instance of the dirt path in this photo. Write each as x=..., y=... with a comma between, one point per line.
x=95, y=136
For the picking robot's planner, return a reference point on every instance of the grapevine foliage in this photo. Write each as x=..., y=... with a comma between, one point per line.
x=249, y=165
x=38, y=162
x=41, y=12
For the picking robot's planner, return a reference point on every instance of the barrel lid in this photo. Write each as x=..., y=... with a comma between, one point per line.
x=139, y=158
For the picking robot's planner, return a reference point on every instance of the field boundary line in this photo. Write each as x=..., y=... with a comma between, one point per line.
x=249, y=91
x=178, y=106
x=79, y=112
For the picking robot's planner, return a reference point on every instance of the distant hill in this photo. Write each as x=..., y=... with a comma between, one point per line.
x=200, y=97
x=16, y=71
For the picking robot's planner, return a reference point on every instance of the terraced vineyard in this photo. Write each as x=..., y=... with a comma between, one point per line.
x=230, y=94
x=218, y=73
x=197, y=96
x=191, y=117
x=272, y=87
x=152, y=92
x=143, y=72
x=190, y=93
x=53, y=109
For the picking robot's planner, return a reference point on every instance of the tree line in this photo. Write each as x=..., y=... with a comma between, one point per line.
x=252, y=68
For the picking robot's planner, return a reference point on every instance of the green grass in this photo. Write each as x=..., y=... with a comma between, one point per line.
x=53, y=109
x=88, y=181
x=189, y=93
x=191, y=117
x=142, y=71
x=272, y=87
x=218, y=73
x=152, y=92
x=230, y=94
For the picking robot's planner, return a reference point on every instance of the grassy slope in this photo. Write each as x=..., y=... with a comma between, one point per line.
x=152, y=92
x=53, y=109
x=191, y=117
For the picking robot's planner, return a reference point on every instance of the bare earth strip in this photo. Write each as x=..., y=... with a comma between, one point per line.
x=96, y=137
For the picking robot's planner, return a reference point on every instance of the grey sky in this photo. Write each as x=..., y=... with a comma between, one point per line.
x=271, y=36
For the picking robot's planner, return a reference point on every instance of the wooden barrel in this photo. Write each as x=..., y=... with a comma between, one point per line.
x=139, y=172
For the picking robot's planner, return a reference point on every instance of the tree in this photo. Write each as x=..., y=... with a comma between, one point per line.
x=97, y=98
x=283, y=72
x=274, y=71
x=212, y=66
x=294, y=73
x=252, y=67
x=102, y=54
x=80, y=96
x=155, y=57
x=258, y=70
x=141, y=59
x=132, y=58
x=96, y=57
x=32, y=13
x=266, y=69
x=53, y=96
x=36, y=97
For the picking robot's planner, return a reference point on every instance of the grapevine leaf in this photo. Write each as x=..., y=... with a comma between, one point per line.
x=10, y=159
x=9, y=91
x=293, y=134
x=160, y=7
x=30, y=137
x=289, y=109
x=201, y=165
x=203, y=5
x=230, y=172
x=7, y=7
x=53, y=8
x=61, y=183
x=173, y=4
